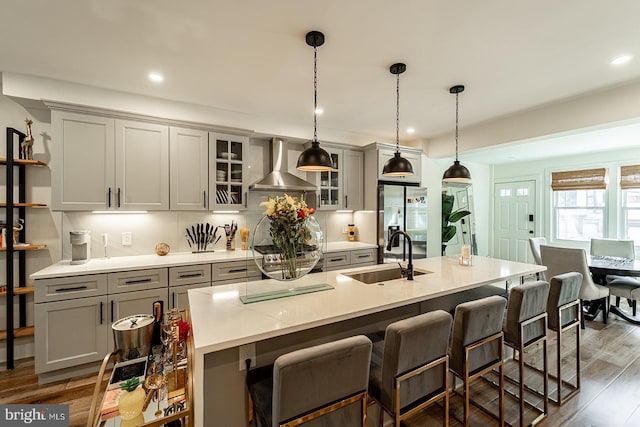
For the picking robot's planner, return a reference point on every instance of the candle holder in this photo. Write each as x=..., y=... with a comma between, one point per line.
x=465, y=256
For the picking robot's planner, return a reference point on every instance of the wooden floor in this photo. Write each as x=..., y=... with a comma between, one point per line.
x=609, y=396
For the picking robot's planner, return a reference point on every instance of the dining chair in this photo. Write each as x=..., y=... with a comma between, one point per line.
x=565, y=260
x=534, y=244
x=619, y=286
x=327, y=381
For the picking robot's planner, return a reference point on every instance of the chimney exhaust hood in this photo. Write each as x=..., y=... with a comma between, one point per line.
x=279, y=179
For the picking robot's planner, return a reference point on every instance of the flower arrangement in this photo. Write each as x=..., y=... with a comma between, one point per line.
x=288, y=229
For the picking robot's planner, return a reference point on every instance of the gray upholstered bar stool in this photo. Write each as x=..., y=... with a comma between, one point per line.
x=410, y=368
x=524, y=327
x=477, y=346
x=328, y=380
x=563, y=309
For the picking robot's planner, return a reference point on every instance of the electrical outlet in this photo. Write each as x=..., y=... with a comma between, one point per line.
x=127, y=238
x=345, y=229
x=247, y=351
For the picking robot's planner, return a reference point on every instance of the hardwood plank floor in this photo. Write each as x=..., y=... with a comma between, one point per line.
x=609, y=395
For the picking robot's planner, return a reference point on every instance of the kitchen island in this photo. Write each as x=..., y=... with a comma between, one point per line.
x=222, y=324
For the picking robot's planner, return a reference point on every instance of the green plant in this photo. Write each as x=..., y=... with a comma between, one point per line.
x=130, y=384
x=449, y=218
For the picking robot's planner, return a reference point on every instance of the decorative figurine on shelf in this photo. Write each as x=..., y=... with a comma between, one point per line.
x=17, y=229
x=26, y=147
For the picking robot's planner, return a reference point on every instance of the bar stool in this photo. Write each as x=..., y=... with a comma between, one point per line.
x=563, y=309
x=410, y=368
x=524, y=327
x=328, y=380
x=477, y=346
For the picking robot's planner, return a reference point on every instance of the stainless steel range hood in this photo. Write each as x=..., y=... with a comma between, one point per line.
x=279, y=179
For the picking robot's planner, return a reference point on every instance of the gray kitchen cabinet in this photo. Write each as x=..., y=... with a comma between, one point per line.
x=189, y=169
x=340, y=188
x=362, y=257
x=227, y=272
x=336, y=260
x=103, y=163
x=137, y=280
x=179, y=295
x=228, y=160
x=183, y=278
x=353, y=179
x=82, y=161
x=71, y=333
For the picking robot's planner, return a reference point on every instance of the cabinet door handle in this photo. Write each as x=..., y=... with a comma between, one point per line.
x=111, y=311
x=136, y=281
x=109, y=198
x=318, y=200
x=188, y=275
x=337, y=259
x=246, y=200
x=101, y=307
x=364, y=256
x=204, y=199
x=73, y=288
x=237, y=270
x=118, y=196
x=173, y=300
x=346, y=203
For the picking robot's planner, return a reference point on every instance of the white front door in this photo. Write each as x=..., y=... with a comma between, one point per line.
x=515, y=220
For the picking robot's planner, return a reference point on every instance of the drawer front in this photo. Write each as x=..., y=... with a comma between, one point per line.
x=189, y=274
x=335, y=260
x=363, y=256
x=137, y=280
x=64, y=288
x=234, y=270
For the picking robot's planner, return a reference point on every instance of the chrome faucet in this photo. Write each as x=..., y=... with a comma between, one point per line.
x=409, y=270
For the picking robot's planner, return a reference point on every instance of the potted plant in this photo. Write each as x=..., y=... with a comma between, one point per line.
x=449, y=218
x=131, y=400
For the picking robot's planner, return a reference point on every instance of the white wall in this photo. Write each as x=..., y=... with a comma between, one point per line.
x=541, y=170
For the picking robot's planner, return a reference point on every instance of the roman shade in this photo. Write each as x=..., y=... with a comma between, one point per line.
x=587, y=179
x=629, y=177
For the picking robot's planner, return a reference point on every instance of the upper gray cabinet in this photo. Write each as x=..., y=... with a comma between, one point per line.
x=228, y=160
x=384, y=154
x=101, y=163
x=189, y=160
x=340, y=188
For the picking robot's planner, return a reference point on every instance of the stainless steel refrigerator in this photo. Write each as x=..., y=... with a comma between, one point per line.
x=401, y=207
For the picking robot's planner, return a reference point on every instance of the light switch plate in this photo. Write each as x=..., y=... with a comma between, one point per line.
x=127, y=238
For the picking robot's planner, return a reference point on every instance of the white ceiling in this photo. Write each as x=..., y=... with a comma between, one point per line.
x=251, y=57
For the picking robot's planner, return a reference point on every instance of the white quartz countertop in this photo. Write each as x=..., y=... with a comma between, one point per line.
x=140, y=262
x=220, y=320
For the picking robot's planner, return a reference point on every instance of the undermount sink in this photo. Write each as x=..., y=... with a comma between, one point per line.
x=379, y=276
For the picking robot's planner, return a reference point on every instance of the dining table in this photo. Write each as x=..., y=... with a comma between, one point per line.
x=601, y=266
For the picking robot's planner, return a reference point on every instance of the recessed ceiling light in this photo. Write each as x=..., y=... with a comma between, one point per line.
x=155, y=77
x=622, y=59
x=411, y=130
x=319, y=110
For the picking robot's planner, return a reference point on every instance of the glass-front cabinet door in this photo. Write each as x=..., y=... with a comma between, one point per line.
x=330, y=183
x=227, y=160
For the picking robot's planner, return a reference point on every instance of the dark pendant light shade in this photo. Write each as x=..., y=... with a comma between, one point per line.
x=397, y=165
x=457, y=172
x=314, y=158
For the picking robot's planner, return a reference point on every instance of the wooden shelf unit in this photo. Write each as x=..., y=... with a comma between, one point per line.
x=27, y=331
x=15, y=285
x=26, y=248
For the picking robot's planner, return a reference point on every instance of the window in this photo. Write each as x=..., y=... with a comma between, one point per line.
x=579, y=204
x=630, y=185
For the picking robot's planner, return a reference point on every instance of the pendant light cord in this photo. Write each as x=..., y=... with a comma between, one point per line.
x=457, y=126
x=397, y=113
x=315, y=93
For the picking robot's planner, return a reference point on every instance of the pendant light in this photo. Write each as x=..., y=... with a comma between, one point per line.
x=457, y=172
x=397, y=165
x=314, y=158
